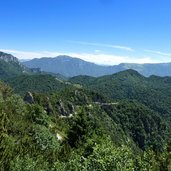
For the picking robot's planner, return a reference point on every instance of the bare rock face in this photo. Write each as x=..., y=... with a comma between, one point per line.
x=61, y=108
x=29, y=98
x=8, y=57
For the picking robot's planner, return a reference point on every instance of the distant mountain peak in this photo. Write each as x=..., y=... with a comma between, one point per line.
x=64, y=56
x=73, y=66
x=129, y=72
x=132, y=72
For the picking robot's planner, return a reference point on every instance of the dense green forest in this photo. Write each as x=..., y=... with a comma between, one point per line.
x=153, y=91
x=78, y=129
x=117, y=122
x=38, y=83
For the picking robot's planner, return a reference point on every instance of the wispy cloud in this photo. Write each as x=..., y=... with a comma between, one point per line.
x=158, y=52
x=102, y=45
x=23, y=54
x=98, y=58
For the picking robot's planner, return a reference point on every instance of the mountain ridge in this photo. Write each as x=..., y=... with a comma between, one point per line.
x=153, y=91
x=10, y=66
x=8, y=57
x=72, y=66
x=82, y=118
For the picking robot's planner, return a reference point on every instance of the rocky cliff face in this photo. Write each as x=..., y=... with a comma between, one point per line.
x=8, y=57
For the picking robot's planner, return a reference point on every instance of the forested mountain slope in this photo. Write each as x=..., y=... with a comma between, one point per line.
x=59, y=125
x=57, y=130
x=154, y=92
x=36, y=83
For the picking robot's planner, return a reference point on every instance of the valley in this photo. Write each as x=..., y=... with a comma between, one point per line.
x=113, y=122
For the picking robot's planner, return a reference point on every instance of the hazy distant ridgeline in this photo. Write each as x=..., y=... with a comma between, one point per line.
x=70, y=67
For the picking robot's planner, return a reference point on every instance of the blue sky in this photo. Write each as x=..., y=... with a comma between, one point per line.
x=101, y=31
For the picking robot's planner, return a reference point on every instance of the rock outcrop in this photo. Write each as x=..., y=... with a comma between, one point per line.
x=61, y=108
x=8, y=57
x=29, y=98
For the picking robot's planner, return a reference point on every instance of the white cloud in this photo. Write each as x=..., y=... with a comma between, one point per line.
x=102, y=45
x=108, y=59
x=98, y=58
x=158, y=52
